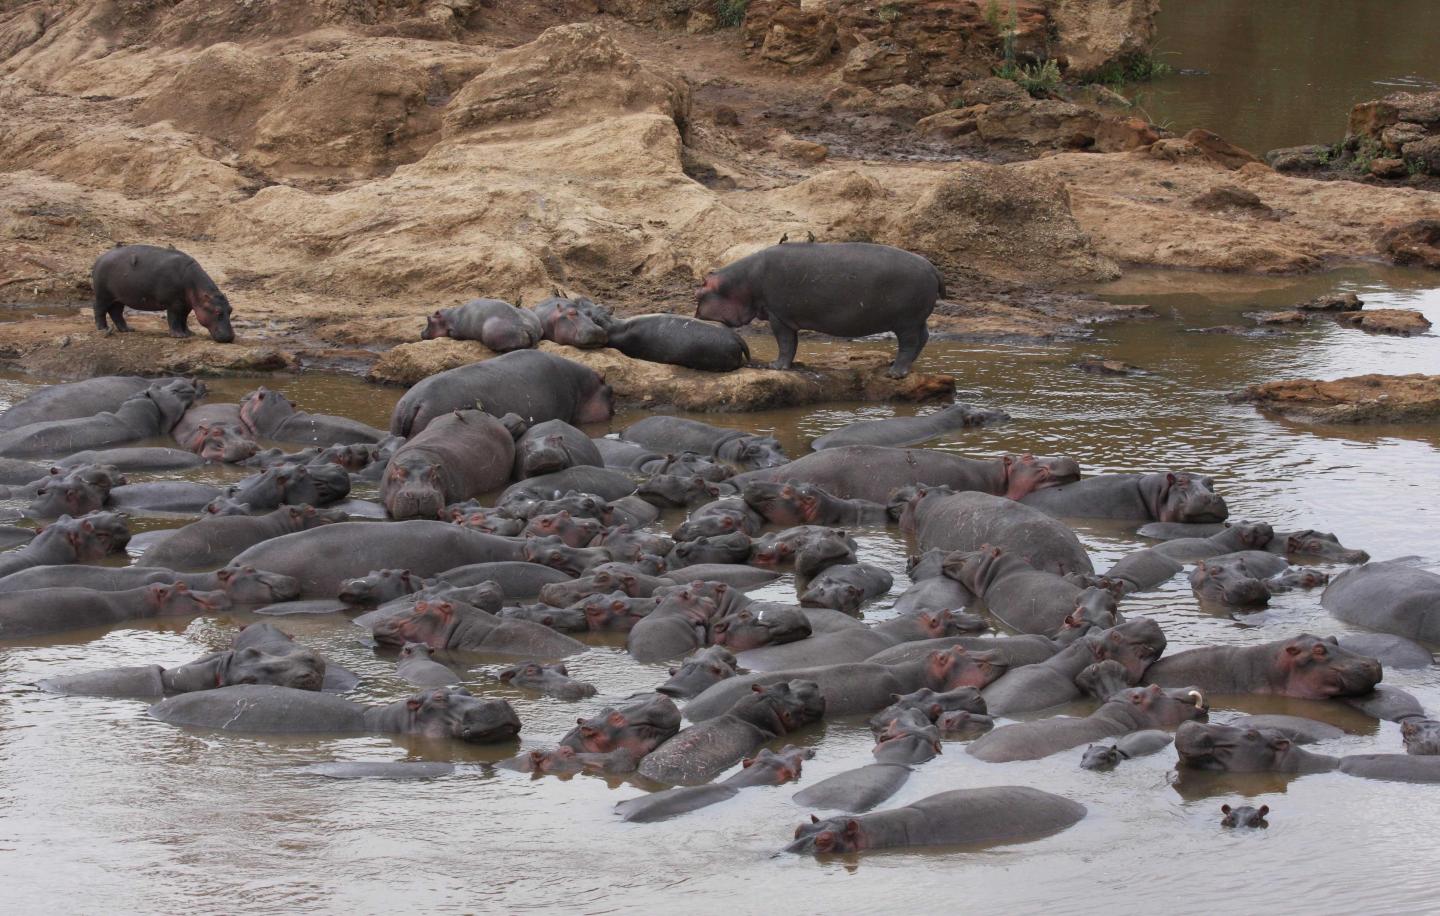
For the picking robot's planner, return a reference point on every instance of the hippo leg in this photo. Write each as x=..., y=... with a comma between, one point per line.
x=178, y=325
x=787, y=340
x=117, y=317
x=911, y=342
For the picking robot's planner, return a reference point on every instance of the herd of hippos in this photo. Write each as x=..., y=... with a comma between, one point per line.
x=502, y=528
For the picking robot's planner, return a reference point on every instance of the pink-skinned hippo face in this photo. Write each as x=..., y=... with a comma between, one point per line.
x=717, y=300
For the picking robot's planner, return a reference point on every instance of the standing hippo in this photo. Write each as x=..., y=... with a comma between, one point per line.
x=70, y=540
x=1393, y=597
x=679, y=341
x=844, y=289
x=151, y=279
x=498, y=325
x=1304, y=666
x=551, y=446
x=144, y=415
x=898, y=432
x=970, y=521
x=1159, y=497
x=270, y=415
x=458, y=456
x=534, y=386
x=575, y=322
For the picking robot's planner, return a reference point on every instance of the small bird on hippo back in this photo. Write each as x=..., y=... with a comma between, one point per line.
x=844, y=289
x=151, y=279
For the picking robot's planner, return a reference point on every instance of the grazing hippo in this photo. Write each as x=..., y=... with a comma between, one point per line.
x=637, y=728
x=1134, y=645
x=1161, y=497
x=759, y=625
x=151, y=279
x=459, y=456
x=1132, y=710
x=899, y=432
x=1135, y=744
x=1392, y=597
x=439, y=713
x=135, y=458
x=704, y=750
x=1304, y=666
x=766, y=768
x=792, y=503
x=1228, y=749
x=846, y=587
x=972, y=521
x=73, y=400
x=844, y=289
x=533, y=385
x=271, y=415
x=551, y=680
x=458, y=627
x=907, y=738
x=679, y=341
x=146, y=414
x=1422, y=737
x=216, y=539
x=700, y=670
x=415, y=666
x=873, y=472
x=571, y=322
x=670, y=435
x=55, y=610
x=69, y=540
x=1022, y=597
x=498, y=325
x=1244, y=816
x=969, y=817
x=551, y=446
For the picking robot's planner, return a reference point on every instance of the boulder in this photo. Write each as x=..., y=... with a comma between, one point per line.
x=949, y=124
x=1219, y=150
x=1229, y=197
x=1299, y=158
x=1416, y=243
x=1400, y=322
x=878, y=63
x=1121, y=135
x=1424, y=153
x=990, y=89
x=1357, y=399
x=794, y=34
x=1095, y=35
x=1038, y=122
x=1333, y=302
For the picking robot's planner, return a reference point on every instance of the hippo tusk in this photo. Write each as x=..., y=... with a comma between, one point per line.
x=1199, y=698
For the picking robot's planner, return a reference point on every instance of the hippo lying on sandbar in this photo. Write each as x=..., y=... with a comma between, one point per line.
x=498, y=325
x=1161, y=497
x=899, y=432
x=969, y=817
x=1228, y=749
x=679, y=341
x=440, y=713
x=1304, y=666
x=767, y=768
x=1393, y=597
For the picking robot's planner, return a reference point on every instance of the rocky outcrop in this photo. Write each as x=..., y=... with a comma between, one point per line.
x=1098, y=35
x=1357, y=399
x=1416, y=243
x=1396, y=138
x=1398, y=322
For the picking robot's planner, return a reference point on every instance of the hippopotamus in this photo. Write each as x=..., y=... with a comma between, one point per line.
x=15, y=536
x=873, y=472
x=299, y=668
x=585, y=481
x=551, y=680
x=181, y=496
x=566, y=761
x=638, y=728
x=793, y=503
x=572, y=322
x=415, y=666
x=271, y=415
x=216, y=539
x=555, y=553
x=55, y=610
x=757, y=625
x=972, y=521
x=855, y=790
x=732, y=446
x=1234, y=537
x=292, y=484
x=551, y=446
x=533, y=385
x=1135, y=744
x=74, y=400
x=720, y=517
x=844, y=289
x=457, y=456
x=573, y=532
x=1303, y=666
x=899, y=432
x=672, y=491
x=766, y=768
x=907, y=738
x=1022, y=597
x=1247, y=578
x=148, y=413
x=477, y=518
x=624, y=543
x=1163, y=497
x=1244, y=816
x=440, y=713
x=846, y=587
x=498, y=325
x=811, y=548
x=459, y=627
x=931, y=704
x=1132, y=710
x=380, y=586
x=686, y=464
x=698, y=672
x=679, y=341
x=566, y=620
x=861, y=687
x=1134, y=644
x=1311, y=544
x=516, y=579
x=214, y=433
x=1422, y=737
x=1228, y=749
x=930, y=589
x=679, y=624
x=151, y=279
x=702, y=751
x=735, y=575
x=243, y=584
x=322, y=558
x=1393, y=597
x=969, y=817
x=134, y=458
x=601, y=582
x=77, y=491
x=725, y=549
x=833, y=644
x=70, y=540
x=485, y=596
x=16, y=473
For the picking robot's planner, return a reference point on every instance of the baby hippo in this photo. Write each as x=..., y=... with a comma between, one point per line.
x=699, y=671
x=1244, y=816
x=909, y=737
x=551, y=680
x=498, y=325
x=418, y=668
x=846, y=587
x=1135, y=744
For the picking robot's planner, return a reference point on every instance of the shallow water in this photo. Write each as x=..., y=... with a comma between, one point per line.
x=143, y=816
x=1272, y=73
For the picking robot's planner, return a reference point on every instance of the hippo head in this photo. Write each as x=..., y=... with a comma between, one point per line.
x=940, y=624
x=1315, y=669
x=841, y=596
x=82, y=490
x=1159, y=707
x=1422, y=736
x=226, y=505
x=1324, y=545
x=437, y=325
x=299, y=668
x=1024, y=474
x=428, y=622
x=262, y=410
x=1228, y=749
x=414, y=487
x=728, y=302
x=177, y=600
x=1244, y=816
x=452, y=712
x=90, y=537
x=221, y=443
x=596, y=403
x=698, y=672
x=754, y=453
x=775, y=768
x=904, y=504
x=1102, y=757
x=1187, y=498
x=638, y=728
x=554, y=553
x=795, y=704
x=248, y=585
x=832, y=836
x=534, y=675
x=212, y=310
x=354, y=457
x=962, y=724
x=1134, y=644
x=379, y=586
x=818, y=553
x=1228, y=584
x=1103, y=680
x=908, y=737
x=780, y=503
x=671, y=491
x=770, y=552
x=612, y=612
x=759, y=625
x=305, y=517
x=1095, y=609
x=544, y=455
x=559, y=761
x=574, y=532
x=318, y=484
x=975, y=569
x=1251, y=535
x=566, y=324
x=946, y=669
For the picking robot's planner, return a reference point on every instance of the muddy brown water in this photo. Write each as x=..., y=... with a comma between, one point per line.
x=1272, y=73
x=108, y=810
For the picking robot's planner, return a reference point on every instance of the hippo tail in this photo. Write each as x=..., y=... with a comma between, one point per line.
x=744, y=349
x=939, y=282
x=403, y=421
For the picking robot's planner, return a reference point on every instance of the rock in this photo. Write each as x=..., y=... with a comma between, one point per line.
x=949, y=124
x=1097, y=34
x=1425, y=153
x=991, y=89
x=1121, y=135
x=1038, y=122
x=1416, y=243
x=877, y=63
x=1370, y=119
x=1396, y=136
x=726, y=116
x=1108, y=367
x=804, y=150
x=1333, y=302
x=1219, y=150
x=1392, y=168
x=1293, y=316
x=1176, y=149
x=1223, y=197
x=1357, y=399
x=1400, y=322
x=906, y=102
x=1299, y=158
x=795, y=35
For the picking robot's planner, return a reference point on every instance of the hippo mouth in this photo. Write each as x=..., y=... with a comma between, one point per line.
x=1202, y=748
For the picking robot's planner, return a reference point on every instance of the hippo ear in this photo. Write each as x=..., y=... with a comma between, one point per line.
x=757, y=688
x=413, y=704
x=1331, y=640
x=1264, y=810
x=747, y=762
x=852, y=828
x=1170, y=480
x=814, y=819
x=1225, y=809
x=674, y=671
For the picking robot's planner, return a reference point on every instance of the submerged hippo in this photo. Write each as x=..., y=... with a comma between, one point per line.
x=1132, y=710
x=1231, y=749
x=972, y=521
x=55, y=610
x=669, y=435
x=1304, y=666
x=1393, y=597
x=844, y=289
x=151, y=279
x=766, y=768
x=898, y=432
x=1161, y=497
x=498, y=325
x=1244, y=816
x=144, y=415
x=458, y=456
x=70, y=540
